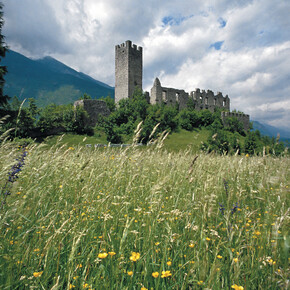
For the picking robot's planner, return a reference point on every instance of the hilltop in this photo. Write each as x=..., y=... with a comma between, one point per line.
x=49, y=81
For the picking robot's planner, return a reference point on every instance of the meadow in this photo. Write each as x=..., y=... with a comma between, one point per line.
x=86, y=218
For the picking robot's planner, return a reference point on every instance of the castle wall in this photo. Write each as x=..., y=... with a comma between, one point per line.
x=168, y=96
x=202, y=99
x=243, y=118
x=128, y=70
x=208, y=100
x=94, y=108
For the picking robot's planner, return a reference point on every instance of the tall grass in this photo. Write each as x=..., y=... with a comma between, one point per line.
x=126, y=219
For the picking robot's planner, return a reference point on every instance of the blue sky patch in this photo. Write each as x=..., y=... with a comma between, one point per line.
x=171, y=20
x=217, y=45
x=222, y=22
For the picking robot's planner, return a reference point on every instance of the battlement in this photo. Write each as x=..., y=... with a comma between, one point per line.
x=243, y=118
x=128, y=44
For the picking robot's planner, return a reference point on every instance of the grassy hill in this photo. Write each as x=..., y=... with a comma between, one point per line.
x=48, y=81
x=142, y=219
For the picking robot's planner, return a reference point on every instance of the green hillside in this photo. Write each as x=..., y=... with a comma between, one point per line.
x=48, y=81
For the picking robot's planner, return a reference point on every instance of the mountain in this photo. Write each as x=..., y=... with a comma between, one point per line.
x=48, y=81
x=271, y=131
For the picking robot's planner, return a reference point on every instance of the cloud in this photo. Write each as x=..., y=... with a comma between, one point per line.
x=241, y=48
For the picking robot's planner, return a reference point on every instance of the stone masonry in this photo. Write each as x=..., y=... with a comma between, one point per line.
x=128, y=70
x=243, y=118
x=201, y=99
x=94, y=108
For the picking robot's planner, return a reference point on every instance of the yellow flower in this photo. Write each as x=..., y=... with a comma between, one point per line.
x=257, y=233
x=191, y=245
x=199, y=282
x=60, y=186
x=130, y=273
x=165, y=274
x=37, y=274
x=208, y=239
x=135, y=256
x=157, y=243
x=102, y=255
x=247, y=155
x=71, y=286
x=155, y=274
x=85, y=285
x=219, y=256
x=236, y=287
x=71, y=148
x=236, y=260
x=143, y=288
x=169, y=263
x=112, y=254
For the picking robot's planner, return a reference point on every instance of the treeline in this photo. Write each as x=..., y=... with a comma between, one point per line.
x=31, y=121
x=27, y=120
x=231, y=139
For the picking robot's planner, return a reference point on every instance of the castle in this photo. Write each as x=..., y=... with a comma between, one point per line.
x=128, y=76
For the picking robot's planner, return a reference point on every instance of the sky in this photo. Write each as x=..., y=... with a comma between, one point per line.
x=238, y=47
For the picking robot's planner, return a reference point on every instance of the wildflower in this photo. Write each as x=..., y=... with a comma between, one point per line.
x=130, y=273
x=236, y=260
x=222, y=208
x=200, y=282
x=135, y=256
x=165, y=274
x=169, y=263
x=112, y=254
x=236, y=287
x=86, y=285
x=79, y=265
x=257, y=233
x=155, y=274
x=191, y=245
x=37, y=274
x=219, y=256
x=71, y=286
x=102, y=255
x=157, y=243
x=208, y=239
x=234, y=209
x=60, y=186
x=143, y=288
x=71, y=148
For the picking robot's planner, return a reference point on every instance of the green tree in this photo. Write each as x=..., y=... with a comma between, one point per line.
x=3, y=69
x=234, y=125
x=251, y=142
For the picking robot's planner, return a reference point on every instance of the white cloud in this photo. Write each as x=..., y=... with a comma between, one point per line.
x=252, y=66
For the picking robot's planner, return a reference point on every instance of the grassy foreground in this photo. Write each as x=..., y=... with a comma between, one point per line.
x=143, y=219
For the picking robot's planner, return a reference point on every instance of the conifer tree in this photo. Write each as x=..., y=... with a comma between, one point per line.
x=3, y=69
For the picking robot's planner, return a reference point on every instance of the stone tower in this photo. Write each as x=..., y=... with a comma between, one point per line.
x=128, y=70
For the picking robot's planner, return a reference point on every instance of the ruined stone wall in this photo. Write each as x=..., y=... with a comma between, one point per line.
x=128, y=69
x=94, y=108
x=243, y=118
x=208, y=100
x=202, y=99
x=168, y=96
